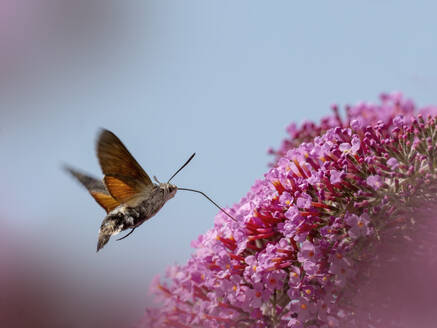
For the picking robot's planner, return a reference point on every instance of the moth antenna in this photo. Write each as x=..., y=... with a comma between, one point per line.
x=202, y=193
x=127, y=234
x=188, y=161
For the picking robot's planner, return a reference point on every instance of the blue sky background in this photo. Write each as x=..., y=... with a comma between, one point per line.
x=221, y=78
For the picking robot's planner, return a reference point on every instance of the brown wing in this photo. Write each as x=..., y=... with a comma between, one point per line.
x=116, y=161
x=121, y=191
x=96, y=188
x=105, y=200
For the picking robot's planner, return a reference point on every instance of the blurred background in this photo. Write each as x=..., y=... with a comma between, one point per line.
x=222, y=79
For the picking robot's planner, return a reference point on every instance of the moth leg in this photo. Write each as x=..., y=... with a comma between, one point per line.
x=127, y=234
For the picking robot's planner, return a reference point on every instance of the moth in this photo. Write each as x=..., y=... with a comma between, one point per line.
x=127, y=193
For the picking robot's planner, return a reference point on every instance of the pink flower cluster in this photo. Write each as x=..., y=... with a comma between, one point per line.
x=308, y=237
x=391, y=106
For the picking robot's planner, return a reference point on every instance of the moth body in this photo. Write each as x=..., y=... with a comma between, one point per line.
x=135, y=212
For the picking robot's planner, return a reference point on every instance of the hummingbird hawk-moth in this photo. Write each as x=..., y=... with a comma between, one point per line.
x=127, y=193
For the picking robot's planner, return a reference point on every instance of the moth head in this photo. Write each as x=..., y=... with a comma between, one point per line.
x=169, y=190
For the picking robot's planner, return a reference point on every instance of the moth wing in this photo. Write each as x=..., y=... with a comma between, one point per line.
x=96, y=188
x=117, y=162
x=119, y=189
x=88, y=181
x=105, y=200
